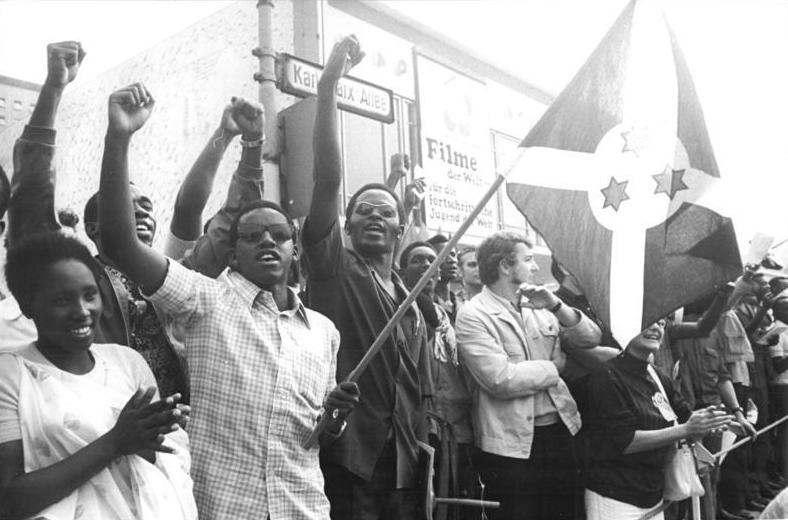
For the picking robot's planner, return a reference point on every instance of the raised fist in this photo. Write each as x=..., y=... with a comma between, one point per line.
x=63, y=60
x=129, y=109
x=244, y=117
x=345, y=55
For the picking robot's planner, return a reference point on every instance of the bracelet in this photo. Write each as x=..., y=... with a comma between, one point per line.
x=555, y=308
x=737, y=409
x=252, y=144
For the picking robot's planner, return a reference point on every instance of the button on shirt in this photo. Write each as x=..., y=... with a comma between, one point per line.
x=259, y=376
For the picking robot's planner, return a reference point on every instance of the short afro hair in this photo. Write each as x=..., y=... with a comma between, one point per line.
x=259, y=204
x=90, y=214
x=351, y=204
x=27, y=260
x=498, y=247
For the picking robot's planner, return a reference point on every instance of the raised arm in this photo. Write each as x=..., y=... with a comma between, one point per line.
x=32, y=204
x=129, y=109
x=193, y=194
x=328, y=161
x=210, y=254
x=703, y=327
x=490, y=366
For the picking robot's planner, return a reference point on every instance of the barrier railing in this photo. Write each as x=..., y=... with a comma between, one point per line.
x=717, y=456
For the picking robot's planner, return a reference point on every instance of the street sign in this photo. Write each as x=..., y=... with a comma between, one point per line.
x=299, y=77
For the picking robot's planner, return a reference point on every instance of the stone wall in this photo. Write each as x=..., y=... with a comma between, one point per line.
x=192, y=76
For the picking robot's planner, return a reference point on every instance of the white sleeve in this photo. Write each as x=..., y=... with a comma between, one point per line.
x=10, y=429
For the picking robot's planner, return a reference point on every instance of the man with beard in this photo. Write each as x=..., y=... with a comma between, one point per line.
x=523, y=415
x=371, y=470
x=261, y=363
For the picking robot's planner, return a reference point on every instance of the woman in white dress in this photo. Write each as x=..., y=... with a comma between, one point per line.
x=79, y=434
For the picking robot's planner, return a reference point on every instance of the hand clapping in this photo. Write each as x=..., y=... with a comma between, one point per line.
x=142, y=425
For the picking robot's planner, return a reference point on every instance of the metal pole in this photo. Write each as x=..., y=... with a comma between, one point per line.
x=748, y=439
x=266, y=77
x=717, y=455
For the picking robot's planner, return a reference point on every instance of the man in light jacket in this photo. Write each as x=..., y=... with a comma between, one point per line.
x=523, y=414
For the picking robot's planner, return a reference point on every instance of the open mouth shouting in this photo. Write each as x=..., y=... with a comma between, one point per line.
x=375, y=228
x=144, y=230
x=268, y=256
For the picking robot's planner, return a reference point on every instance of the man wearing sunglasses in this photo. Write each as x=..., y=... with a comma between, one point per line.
x=261, y=364
x=370, y=471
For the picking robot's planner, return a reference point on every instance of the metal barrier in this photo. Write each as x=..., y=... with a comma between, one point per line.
x=717, y=456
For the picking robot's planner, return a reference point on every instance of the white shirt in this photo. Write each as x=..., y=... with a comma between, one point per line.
x=258, y=379
x=16, y=330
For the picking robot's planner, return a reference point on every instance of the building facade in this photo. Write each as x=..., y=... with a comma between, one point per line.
x=17, y=100
x=455, y=116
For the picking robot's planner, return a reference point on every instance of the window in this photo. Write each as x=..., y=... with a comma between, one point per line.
x=2, y=119
x=2, y=102
x=17, y=105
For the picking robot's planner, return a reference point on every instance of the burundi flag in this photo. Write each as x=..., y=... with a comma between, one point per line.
x=619, y=177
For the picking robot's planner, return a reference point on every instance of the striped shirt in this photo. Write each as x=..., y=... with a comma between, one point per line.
x=258, y=380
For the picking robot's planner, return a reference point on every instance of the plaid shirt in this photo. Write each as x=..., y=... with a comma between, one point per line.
x=259, y=377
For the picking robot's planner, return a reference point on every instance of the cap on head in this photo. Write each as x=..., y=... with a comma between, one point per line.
x=403, y=257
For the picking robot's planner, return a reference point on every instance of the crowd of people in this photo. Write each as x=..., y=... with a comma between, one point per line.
x=184, y=383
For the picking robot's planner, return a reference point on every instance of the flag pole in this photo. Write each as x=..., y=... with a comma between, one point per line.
x=355, y=374
x=749, y=438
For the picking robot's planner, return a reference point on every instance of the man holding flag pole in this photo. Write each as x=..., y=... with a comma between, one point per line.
x=371, y=471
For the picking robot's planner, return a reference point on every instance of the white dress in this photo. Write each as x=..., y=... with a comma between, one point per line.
x=56, y=413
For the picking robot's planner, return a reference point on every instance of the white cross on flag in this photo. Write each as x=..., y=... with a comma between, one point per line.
x=619, y=177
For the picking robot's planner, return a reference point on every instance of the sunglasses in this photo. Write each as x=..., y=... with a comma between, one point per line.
x=384, y=210
x=253, y=235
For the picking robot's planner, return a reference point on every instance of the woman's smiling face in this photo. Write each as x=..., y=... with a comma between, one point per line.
x=66, y=306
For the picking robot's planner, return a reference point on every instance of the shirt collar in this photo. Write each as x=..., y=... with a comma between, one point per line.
x=252, y=295
x=503, y=301
x=632, y=364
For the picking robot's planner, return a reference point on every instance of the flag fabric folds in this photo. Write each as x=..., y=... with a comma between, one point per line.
x=620, y=179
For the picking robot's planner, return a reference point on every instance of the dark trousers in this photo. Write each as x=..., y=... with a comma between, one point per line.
x=542, y=487
x=762, y=452
x=734, y=486
x=353, y=498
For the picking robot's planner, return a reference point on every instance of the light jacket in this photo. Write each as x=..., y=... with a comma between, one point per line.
x=505, y=376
